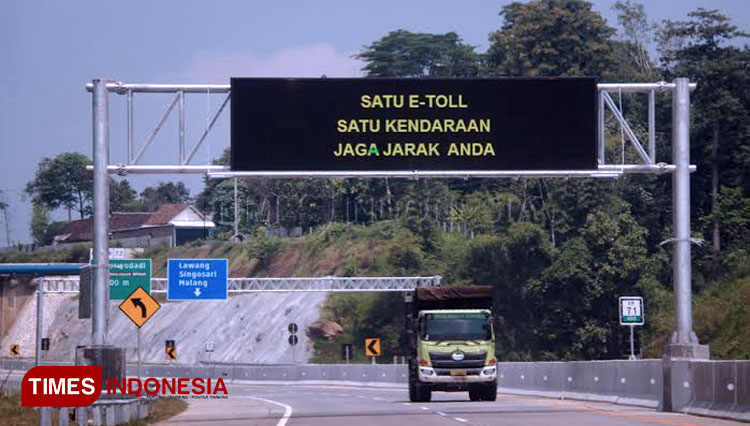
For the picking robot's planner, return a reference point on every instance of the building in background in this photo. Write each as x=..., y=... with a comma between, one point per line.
x=171, y=225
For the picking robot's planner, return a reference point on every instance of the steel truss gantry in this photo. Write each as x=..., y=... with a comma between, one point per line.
x=648, y=165
x=71, y=284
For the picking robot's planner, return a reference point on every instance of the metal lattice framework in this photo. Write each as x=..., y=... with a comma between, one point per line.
x=135, y=155
x=61, y=284
x=71, y=284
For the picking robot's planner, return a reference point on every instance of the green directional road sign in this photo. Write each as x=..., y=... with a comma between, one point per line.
x=125, y=275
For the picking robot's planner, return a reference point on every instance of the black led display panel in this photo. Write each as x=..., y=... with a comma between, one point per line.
x=329, y=124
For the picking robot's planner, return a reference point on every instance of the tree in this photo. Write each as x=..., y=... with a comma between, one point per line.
x=42, y=231
x=164, y=193
x=122, y=197
x=550, y=38
x=510, y=263
x=637, y=31
x=4, y=207
x=700, y=49
x=63, y=182
x=405, y=54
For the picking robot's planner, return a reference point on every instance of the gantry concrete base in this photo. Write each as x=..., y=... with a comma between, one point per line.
x=694, y=351
x=677, y=392
x=110, y=358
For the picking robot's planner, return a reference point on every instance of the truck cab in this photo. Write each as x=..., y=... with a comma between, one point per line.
x=453, y=348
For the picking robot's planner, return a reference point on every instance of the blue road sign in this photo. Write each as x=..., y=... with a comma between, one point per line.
x=197, y=279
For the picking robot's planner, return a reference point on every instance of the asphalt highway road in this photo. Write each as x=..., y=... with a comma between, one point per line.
x=293, y=405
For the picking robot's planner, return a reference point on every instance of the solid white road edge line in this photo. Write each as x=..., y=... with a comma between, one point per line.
x=287, y=409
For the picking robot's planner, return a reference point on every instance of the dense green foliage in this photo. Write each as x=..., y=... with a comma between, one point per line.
x=553, y=37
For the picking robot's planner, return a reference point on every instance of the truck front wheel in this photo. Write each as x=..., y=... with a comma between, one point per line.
x=483, y=392
x=489, y=392
x=419, y=393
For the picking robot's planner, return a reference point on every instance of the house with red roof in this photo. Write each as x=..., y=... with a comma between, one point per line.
x=171, y=225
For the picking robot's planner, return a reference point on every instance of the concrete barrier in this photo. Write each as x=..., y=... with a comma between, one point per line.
x=379, y=373
x=624, y=382
x=717, y=389
x=741, y=411
x=708, y=388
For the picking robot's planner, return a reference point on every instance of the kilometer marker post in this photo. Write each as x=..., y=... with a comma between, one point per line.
x=631, y=314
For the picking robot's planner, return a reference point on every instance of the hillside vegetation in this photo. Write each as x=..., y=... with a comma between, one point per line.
x=391, y=249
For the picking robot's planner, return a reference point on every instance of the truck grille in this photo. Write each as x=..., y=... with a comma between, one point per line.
x=445, y=360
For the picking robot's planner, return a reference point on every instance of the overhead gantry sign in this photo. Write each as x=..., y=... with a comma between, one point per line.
x=380, y=125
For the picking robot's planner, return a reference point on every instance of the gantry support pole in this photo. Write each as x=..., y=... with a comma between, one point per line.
x=684, y=343
x=99, y=353
x=101, y=213
x=681, y=266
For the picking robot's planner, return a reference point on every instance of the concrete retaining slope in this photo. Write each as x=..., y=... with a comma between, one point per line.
x=246, y=328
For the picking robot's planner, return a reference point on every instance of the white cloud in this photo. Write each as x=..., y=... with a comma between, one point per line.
x=304, y=61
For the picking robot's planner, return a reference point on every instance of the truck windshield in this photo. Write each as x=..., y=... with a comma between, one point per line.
x=456, y=326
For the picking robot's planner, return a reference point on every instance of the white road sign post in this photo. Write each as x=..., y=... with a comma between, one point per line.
x=631, y=314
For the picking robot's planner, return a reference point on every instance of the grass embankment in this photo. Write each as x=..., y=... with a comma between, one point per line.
x=13, y=414
x=383, y=249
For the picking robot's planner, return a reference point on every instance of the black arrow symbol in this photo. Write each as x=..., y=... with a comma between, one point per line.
x=136, y=303
x=171, y=354
x=14, y=349
x=371, y=347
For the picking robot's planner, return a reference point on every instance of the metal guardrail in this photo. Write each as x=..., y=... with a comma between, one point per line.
x=101, y=412
x=252, y=285
x=104, y=411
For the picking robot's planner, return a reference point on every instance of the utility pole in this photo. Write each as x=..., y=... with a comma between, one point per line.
x=236, y=213
x=7, y=225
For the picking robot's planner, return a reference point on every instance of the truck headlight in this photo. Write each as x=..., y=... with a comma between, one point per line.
x=426, y=371
x=489, y=371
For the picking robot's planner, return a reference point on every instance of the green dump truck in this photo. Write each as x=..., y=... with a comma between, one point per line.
x=451, y=342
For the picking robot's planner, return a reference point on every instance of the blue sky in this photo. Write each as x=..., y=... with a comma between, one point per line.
x=51, y=49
